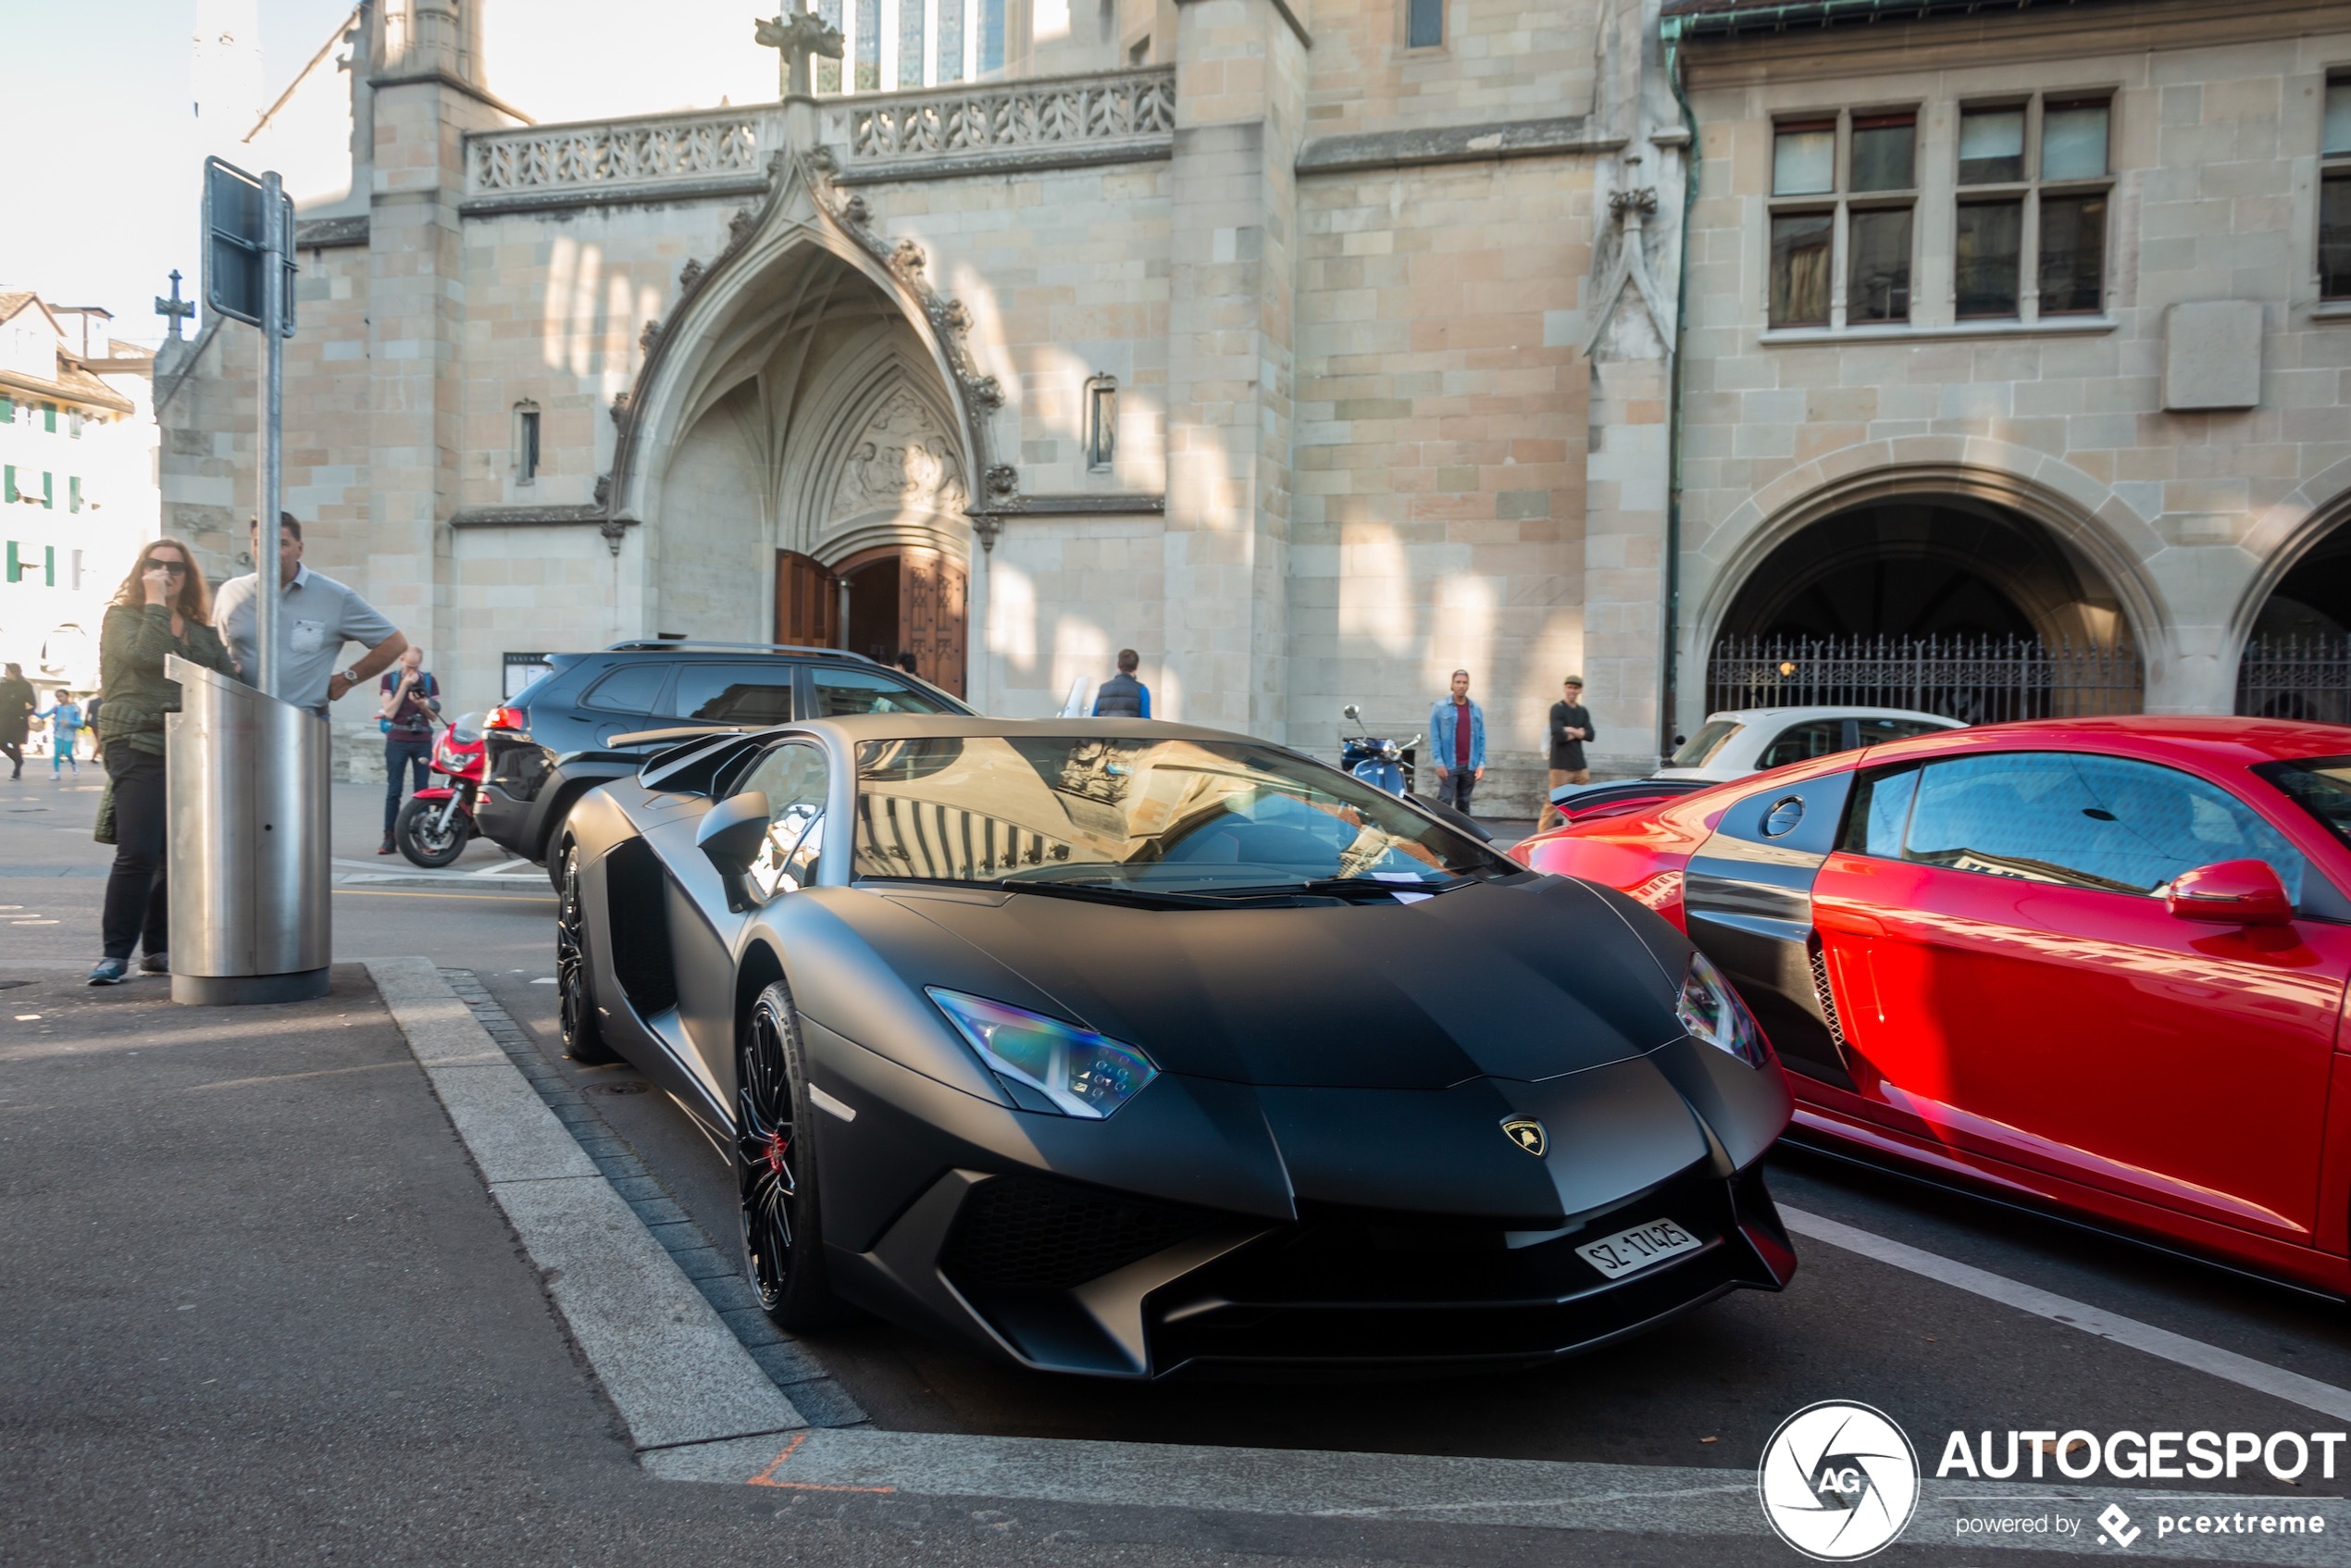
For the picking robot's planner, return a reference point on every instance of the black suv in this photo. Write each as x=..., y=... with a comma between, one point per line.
x=554, y=741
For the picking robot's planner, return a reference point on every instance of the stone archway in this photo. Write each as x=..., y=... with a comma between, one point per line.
x=2295, y=659
x=1944, y=601
x=819, y=430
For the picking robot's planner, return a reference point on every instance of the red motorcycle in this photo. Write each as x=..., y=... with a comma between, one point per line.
x=434, y=825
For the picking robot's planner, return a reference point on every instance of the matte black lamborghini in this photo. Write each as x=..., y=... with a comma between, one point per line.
x=1122, y=1048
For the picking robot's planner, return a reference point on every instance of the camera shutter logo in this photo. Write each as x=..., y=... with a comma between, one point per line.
x=1838, y=1481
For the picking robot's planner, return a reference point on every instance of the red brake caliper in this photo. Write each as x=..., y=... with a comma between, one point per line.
x=776, y=1144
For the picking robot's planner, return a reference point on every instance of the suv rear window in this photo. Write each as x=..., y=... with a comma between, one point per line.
x=747, y=694
x=632, y=689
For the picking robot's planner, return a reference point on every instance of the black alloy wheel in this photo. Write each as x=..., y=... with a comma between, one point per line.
x=776, y=1169
x=422, y=838
x=584, y=1039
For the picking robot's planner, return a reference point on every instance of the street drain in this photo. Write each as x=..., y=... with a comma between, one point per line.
x=635, y=1085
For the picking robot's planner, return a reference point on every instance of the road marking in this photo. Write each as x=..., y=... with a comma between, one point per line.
x=1321, y=1486
x=477, y=898
x=506, y=868
x=289, y=1077
x=2244, y=1371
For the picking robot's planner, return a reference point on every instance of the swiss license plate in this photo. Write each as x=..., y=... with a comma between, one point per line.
x=1629, y=1251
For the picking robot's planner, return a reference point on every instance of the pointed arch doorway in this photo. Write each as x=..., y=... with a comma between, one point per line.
x=879, y=602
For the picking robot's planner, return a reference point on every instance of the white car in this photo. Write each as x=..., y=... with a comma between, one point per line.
x=1732, y=745
x=1743, y=741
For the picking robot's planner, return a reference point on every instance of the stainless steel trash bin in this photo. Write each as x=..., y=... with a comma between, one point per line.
x=247, y=853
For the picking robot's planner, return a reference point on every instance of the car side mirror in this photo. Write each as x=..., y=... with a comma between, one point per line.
x=2233, y=892
x=732, y=830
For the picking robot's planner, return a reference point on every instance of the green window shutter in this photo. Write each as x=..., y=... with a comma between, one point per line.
x=11, y=496
x=73, y=493
x=7, y=410
x=15, y=570
x=48, y=491
x=49, y=564
x=49, y=417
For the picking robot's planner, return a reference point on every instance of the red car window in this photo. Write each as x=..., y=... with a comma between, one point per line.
x=2084, y=821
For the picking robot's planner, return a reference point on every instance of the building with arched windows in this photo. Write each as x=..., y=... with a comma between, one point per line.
x=1316, y=348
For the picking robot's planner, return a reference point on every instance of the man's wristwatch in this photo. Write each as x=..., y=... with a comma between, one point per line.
x=352, y=675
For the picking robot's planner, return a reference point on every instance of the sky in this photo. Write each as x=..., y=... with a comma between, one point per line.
x=100, y=188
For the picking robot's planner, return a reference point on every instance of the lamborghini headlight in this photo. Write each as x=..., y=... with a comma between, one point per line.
x=1075, y=1071
x=1713, y=1012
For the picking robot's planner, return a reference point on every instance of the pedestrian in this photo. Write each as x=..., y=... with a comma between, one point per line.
x=161, y=608
x=65, y=731
x=906, y=661
x=1457, y=738
x=1571, y=727
x=17, y=703
x=316, y=616
x=1123, y=696
x=408, y=700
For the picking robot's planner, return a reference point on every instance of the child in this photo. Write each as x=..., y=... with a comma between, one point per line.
x=65, y=731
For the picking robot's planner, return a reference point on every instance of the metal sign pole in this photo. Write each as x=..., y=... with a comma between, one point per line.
x=270, y=469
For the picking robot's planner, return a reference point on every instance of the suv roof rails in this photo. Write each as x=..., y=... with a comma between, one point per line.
x=693, y=644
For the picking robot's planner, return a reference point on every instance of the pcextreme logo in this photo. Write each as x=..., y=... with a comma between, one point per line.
x=1838, y=1481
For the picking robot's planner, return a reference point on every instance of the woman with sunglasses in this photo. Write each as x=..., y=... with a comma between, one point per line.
x=162, y=608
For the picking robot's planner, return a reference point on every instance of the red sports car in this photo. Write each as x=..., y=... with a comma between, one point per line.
x=2097, y=963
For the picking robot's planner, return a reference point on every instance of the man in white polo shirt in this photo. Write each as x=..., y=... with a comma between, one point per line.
x=316, y=616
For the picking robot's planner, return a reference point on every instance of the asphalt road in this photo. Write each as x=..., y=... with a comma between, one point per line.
x=1706, y=1392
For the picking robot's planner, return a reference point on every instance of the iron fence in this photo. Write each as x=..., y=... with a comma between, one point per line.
x=2304, y=677
x=1974, y=679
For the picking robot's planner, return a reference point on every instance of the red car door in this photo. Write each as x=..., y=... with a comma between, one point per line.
x=2015, y=987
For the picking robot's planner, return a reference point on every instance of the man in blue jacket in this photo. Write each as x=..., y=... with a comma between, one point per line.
x=1457, y=744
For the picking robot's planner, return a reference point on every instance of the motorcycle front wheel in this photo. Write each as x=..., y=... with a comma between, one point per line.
x=421, y=836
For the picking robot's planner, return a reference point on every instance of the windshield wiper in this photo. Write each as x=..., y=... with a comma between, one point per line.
x=1344, y=886
x=1110, y=893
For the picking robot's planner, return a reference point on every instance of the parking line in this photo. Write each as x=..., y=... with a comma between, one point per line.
x=2244, y=1371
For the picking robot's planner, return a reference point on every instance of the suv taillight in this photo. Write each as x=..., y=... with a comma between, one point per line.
x=510, y=721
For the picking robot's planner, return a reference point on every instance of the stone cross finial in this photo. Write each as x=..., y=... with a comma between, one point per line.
x=175, y=308
x=799, y=36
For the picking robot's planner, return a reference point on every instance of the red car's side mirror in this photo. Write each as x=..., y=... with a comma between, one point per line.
x=2233, y=892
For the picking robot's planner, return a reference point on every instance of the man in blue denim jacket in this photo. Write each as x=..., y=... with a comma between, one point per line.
x=1457, y=744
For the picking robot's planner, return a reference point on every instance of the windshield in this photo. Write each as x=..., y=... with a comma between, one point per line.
x=2320, y=785
x=1712, y=736
x=1174, y=817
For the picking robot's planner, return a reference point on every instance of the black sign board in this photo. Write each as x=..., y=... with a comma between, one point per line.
x=235, y=239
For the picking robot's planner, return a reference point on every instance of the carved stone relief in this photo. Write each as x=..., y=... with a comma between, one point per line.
x=902, y=459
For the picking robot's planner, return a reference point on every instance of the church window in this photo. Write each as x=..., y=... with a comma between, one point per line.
x=910, y=43
x=828, y=70
x=525, y=444
x=1101, y=423
x=2335, y=193
x=951, y=40
x=1424, y=23
x=991, y=37
x=866, y=46
x=1844, y=192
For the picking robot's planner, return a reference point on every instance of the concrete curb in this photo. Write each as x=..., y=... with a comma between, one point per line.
x=675, y=1371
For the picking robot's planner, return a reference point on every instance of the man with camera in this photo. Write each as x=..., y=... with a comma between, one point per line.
x=408, y=700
